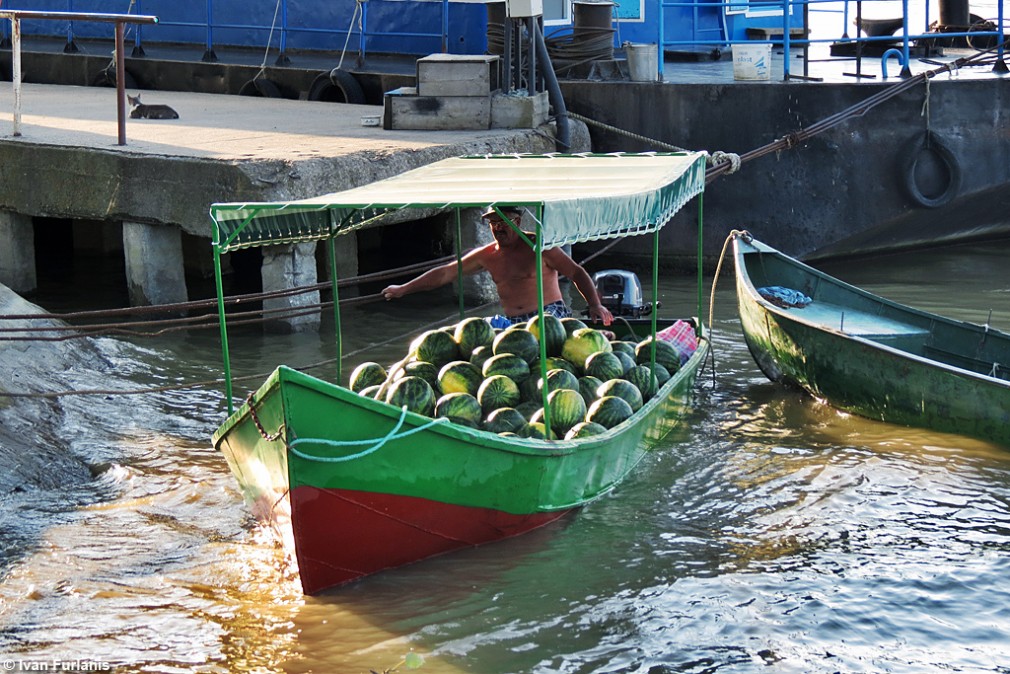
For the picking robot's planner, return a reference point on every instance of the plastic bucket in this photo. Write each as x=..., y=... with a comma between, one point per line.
x=752, y=61
x=643, y=61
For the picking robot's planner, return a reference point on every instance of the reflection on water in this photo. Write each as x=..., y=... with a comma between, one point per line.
x=772, y=532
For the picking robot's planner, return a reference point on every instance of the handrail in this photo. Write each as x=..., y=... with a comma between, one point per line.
x=16, y=15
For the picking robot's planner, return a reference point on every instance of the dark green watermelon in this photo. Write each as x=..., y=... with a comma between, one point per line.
x=510, y=365
x=609, y=411
x=588, y=386
x=641, y=376
x=497, y=391
x=519, y=342
x=420, y=368
x=480, y=355
x=413, y=392
x=623, y=389
x=554, y=331
x=535, y=430
x=666, y=354
x=471, y=333
x=572, y=324
x=435, y=346
x=582, y=344
x=586, y=429
x=604, y=366
x=528, y=409
x=504, y=419
x=365, y=375
x=460, y=408
x=567, y=408
x=459, y=376
x=621, y=346
x=560, y=379
x=627, y=362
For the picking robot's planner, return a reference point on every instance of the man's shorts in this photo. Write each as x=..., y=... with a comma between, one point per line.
x=558, y=309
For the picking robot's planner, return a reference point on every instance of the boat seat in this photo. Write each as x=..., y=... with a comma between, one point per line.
x=854, y=322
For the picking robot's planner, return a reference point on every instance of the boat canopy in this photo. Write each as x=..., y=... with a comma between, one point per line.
x=576, y=198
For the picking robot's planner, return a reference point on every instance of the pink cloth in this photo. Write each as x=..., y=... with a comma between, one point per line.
x=681, y=336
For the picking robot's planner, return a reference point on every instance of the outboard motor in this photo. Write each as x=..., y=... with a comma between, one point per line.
x=621, y=292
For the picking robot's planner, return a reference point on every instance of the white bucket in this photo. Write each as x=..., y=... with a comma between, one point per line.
x=752, y=61
x=643, y=61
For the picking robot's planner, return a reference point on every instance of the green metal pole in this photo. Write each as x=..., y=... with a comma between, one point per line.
x=655, y=298
x=338, y=335
x=459, y=261
x=701, y=252
x=222, y=324
x=543, y=328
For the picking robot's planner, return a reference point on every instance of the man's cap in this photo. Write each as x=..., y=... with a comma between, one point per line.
x=508, y=210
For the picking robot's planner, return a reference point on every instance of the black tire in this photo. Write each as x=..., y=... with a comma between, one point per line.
x=261, y=87
x=336, y=86
x=908, y=162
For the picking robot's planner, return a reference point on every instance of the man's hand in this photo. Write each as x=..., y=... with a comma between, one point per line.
x=390, y=292
x=598, y=312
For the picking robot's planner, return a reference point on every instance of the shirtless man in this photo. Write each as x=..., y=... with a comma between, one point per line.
x=511, y=263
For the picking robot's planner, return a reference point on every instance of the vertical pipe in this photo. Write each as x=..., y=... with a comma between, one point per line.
x=459, y=261
x=284, y=30
x=539, y=248
x=120, y=83
x=661, y=40
x=787, y=11
x=655, y=299
x=337, y=329
x=906, y=70
x=16, y=74
x=1000, y=66
x=219, y=285
x=445, y=26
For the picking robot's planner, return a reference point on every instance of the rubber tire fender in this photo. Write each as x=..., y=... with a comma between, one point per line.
x=337, y=86
x=260, y=87
x=908, y=159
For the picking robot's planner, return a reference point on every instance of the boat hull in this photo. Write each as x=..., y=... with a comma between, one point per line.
x=872, y=357
x=356, y=486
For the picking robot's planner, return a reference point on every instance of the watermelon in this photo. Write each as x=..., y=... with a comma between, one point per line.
x=471, y=333
x=582, y=344
x=435, y=346
x=585, y=429
x=461, y=408
x=609, y=411
x=413, y=392
x=666, y=354
x=587, y=387
x=571, y=324
x=623, y=389
x=459, y=376
x=620, y=346
x=627, y=362
x=561, y=379
x=554, y=331
x=529, y=389
x=604, y=365
x=560, y=364
x=497, y=391
x=420, y=368
x=480, y=355
x=519, y=342
x=662, y=374
x=365, y=375
x=512, y=366
x=370, y=391
x=641, y=376
x=528, y=409
x=504, y=419
x=536, y=430
x=567, y=408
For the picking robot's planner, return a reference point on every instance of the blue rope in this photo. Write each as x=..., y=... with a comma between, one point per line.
x=379, y=442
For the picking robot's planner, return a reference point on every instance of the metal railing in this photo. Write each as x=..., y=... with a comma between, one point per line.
x=16, y=16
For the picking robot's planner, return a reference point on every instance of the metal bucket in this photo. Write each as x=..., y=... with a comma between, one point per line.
x=643, y=61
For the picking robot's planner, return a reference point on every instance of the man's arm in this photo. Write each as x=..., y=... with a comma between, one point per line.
x=437, y=277
x=566, y=266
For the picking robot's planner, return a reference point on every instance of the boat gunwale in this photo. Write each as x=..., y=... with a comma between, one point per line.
x=783, y=313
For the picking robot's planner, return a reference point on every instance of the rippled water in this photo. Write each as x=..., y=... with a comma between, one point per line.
x=771, y=534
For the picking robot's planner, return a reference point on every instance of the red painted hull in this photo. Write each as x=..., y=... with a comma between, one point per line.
x=341, y=535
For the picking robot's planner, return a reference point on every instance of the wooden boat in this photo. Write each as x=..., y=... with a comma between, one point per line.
x=867, y=355
x=357, y=485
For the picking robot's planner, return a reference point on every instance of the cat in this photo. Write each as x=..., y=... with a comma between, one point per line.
x=142, y=111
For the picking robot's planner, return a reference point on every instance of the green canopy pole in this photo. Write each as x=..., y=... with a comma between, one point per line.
x=336, y=307
x=701, y=249
x=459, y=261
x=655, y=299
x=219, y=284
x=539, y=247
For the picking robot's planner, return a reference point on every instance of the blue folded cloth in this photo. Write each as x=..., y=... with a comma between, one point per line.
x=784, y=297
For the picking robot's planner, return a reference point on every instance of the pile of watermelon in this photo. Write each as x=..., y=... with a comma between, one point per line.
x=490, y=379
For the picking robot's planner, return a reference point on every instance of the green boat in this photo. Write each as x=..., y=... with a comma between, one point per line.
x=867, y=355
x=356, y=485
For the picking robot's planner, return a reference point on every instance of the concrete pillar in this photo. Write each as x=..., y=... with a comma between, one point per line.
x=17, y=252
x=154, y=266
x=289, y=266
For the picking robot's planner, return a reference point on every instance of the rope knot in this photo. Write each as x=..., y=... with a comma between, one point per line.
x=720, y=157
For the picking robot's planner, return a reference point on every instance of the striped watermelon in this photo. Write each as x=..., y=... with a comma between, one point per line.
x=459, y=376
x=609, y=411
x=504, y=419
x=621, y=346
x=623, y=389
x=627, y=362
x=497, y=391
x=567, y=408
x=512, y=366
x=480, y=355
x=413, y=392
x=641, y=376
x=604, y=366
x=471, y=333
x=461, y=408
x=554, y=331
x=528, y=409
x=561, y=379
x=666, y=354
x=585, y=429
x=517, y=341
x=365, y=375
x=535, y=430
x=435, y=346
x=582, y=344
x=588, y=386
x=572, y=324
x=420, y=368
